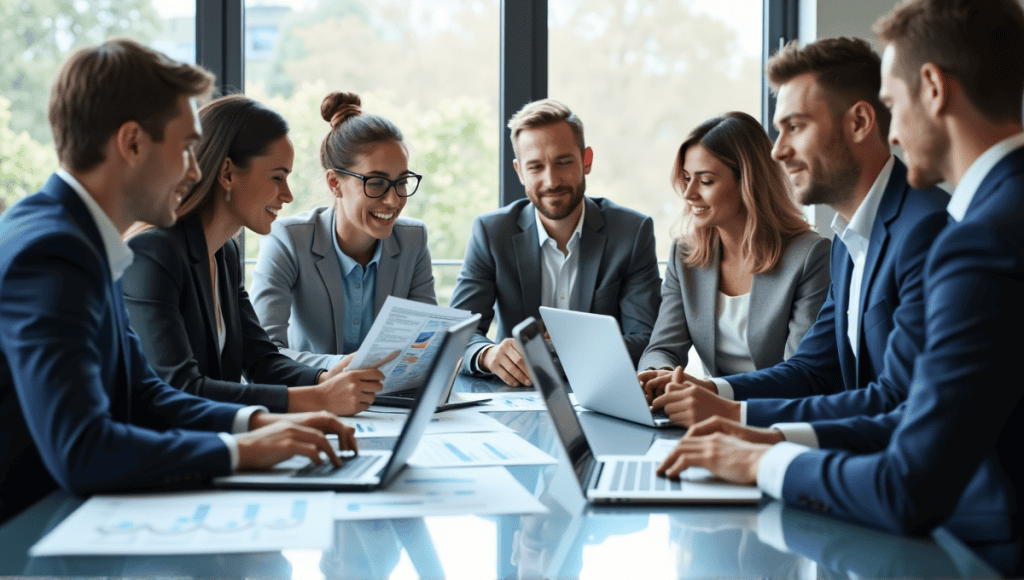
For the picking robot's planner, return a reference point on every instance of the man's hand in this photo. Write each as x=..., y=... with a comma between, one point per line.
x=506, y=362
x=725, y=456
x=735, y=429
x=276, y=437
x=687, y=404
x=336, y=369
x=655, y=382
x=346, y=393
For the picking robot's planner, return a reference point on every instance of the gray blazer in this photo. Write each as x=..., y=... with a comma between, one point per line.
x=618, y=271
x=783, y=305
x=297, y=287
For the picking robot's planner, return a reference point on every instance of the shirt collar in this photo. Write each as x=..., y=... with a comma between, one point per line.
x=119, y=255
x=347, y=263
x=977, y=172
x=864, y=218
x=542, y=234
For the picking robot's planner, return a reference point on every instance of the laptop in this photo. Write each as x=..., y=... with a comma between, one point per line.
x=407, y=398
x=370, y=469
x=615, y=478
x=599, y=368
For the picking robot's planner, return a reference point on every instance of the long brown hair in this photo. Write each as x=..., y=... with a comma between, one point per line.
x=738, y=140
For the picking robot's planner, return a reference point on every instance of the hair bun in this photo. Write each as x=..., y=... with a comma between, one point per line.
x=339, y=107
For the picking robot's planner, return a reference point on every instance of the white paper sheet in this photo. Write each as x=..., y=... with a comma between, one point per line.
x=412, y=329
x=469, y=449
x=424, y=491
x=211, y=522
x=528, y=401
x=660, y=449
x=371, y=424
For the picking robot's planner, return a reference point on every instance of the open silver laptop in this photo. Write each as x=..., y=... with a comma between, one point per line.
x=373, y=469
x=598, y=366
x=615, y=478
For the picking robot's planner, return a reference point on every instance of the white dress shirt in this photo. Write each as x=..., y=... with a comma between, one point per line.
x=776, y=461
x=120, y=257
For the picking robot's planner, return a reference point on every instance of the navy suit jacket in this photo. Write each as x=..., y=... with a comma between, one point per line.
x=80, y=406
x=954, y=456
x=618, y=271
x=823, y=379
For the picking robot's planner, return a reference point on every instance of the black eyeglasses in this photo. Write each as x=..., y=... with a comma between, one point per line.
x=375, y=187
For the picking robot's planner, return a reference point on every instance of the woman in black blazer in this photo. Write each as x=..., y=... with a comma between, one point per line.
x=185, y=289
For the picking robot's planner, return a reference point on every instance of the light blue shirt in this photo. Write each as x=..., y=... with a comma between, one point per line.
x=360, y=287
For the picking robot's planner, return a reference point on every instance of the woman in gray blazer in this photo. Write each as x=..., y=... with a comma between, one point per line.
x=185, y=291
x=323, y=275
x=747, y=279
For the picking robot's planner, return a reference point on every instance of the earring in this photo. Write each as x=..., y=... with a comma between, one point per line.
x=227, y=195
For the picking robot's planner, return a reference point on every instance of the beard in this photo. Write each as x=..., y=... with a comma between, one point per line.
x=832, y=184
x=560, y=210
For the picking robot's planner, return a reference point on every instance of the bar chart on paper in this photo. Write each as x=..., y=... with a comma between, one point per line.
x=192, y=523
x=466, y=449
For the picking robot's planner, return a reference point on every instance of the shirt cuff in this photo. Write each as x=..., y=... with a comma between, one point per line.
x=725, y=389
x=800, y=433
x=769, y=526
x=771, y=474
x=743, y=412
x=241, y=422
x=474, y=364
x=232, y=446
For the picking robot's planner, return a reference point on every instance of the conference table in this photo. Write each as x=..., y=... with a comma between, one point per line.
x=573, y=540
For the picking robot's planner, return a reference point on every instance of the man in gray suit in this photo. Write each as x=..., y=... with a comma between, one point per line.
x=558, y=248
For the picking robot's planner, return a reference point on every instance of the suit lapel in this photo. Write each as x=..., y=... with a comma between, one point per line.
x=387, y=271
x=705, y=316
x=527, y=252
x=842, y=270
x=592, y=245
x=200, y=272
x=330, y=273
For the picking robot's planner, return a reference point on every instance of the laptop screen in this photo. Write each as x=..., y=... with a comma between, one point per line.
x=548, y=379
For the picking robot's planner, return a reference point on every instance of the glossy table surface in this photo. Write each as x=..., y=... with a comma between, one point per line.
x=573, y=540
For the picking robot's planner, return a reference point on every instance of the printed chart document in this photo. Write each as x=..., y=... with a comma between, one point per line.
x=212, y=522
x=423, y=491
x=412, y=328
x=467, y=449
x=527, y=401
x=372, y=424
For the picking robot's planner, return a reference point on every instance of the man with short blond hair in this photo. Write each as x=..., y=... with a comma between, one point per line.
x=556, y=248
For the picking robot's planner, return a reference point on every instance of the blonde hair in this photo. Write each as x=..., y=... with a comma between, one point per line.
x=738, y=140
x=543, y=113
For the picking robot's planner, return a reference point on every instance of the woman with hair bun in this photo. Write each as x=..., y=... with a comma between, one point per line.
x=323, y=275
x=185, y=289
x=746, y=281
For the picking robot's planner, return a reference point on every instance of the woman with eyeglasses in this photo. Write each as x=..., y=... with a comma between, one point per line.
x=185, y=290
x=323, y=275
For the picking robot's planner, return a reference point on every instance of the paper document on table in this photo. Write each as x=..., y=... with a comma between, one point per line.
x=371, y=424
x=660, y=449
x=411, y=328
x=426, y=491
x=466, y=449
x=214, y=522
x=528, y=401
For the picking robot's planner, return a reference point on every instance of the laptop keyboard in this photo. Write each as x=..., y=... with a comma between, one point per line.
x=352, y=467
x=659, y=415
x=640, y=476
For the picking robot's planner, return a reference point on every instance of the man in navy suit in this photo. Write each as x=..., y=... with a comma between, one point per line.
x=950, y=455
x=832, y=144
x=81, y=407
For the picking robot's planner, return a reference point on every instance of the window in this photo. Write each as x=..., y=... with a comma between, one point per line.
x=34, y=41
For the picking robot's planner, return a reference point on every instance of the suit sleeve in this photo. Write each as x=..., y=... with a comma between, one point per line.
x=670, y=340
x=960, y=399
x=273, y=283
x=56, y=309
x=475, y=290
x=813, y=369
x=903, y=345
x=153, y=287
x=421, y=288
x=640, y=293
x=810, y=293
